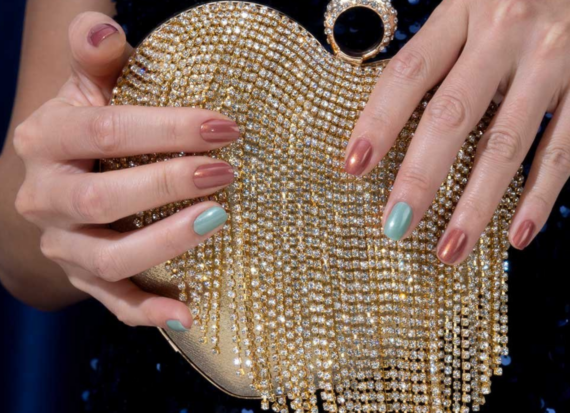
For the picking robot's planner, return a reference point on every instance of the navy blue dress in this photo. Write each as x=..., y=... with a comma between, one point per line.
x=134, y=370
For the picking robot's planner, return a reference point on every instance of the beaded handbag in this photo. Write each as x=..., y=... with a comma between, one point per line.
x=300, y=294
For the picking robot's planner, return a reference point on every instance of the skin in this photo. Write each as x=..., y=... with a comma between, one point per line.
x=24, y=270
x=56, y=190
x=512, y=51
x=55, y=250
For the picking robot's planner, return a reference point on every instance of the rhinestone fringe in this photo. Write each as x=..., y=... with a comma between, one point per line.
x=320, y=300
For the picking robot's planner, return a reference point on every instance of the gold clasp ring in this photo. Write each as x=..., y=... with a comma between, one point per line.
x=384, y=10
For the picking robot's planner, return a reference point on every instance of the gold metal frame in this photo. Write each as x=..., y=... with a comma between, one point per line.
x=384, y=10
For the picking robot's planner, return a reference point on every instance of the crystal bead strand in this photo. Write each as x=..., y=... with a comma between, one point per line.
x=379, y=325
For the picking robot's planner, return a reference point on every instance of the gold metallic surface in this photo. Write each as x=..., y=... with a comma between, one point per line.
x=301, y=292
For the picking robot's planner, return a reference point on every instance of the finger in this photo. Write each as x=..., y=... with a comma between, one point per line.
x=549, y=172
x=457, y=106
x=113, y=256
x=415, y=69
x=99, y=50
x=499, y=154
x=116, y=131
x=133, y=306
x=103, y=198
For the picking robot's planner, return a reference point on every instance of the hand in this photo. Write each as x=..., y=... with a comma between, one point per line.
x=516, y=51
x=68, y=202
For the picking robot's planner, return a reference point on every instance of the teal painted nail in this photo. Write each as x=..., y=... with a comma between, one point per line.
x=399, y=221
x=176, y=325
x=210, y=219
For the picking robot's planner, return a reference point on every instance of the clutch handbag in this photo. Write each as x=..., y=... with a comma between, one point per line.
x=300, y=300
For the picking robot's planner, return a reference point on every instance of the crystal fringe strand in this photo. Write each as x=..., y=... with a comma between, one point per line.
x=320, y=301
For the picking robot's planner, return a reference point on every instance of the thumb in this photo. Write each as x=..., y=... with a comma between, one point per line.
x=99, y=50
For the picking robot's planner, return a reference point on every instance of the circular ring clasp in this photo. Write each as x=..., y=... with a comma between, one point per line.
x=384, y=10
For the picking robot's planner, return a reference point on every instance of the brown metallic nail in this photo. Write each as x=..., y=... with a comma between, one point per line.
x=452, y=246
x=213, y=175
x=524, y=235
x=219, y=131
x=359, y=157
x=100, y=33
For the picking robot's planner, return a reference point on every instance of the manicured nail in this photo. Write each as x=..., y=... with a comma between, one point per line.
x=524, y=235
x=209, y=220
x=219, y=131
x=213, y=175
x=100, y=33
x=399, y=221
x=359, y=157
x=176, y=325
x=452, y=246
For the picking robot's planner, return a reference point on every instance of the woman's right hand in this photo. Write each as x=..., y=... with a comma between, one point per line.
x=60, y=144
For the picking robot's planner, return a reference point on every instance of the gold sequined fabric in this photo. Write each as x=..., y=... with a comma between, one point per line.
x=318, y=300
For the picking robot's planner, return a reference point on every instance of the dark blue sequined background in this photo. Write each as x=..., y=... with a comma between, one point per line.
x=83, y=360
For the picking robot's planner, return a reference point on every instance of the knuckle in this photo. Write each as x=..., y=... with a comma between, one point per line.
x=172, y=242
x=415, y=180
x=106, y=265
x=409, y=65
x=554, y=39
x=174, y=127
x=541, y=198
x=126, y=319
x=503, y=145
x=22, y=203
x=378, y=115
x=89, y=203
x=171, y=178
x=25, y=203
x=76, y=282
x=557, y=156
x=48, y=247
x=447, y=111
x=23, y=139
x=510, y=12
x=148, y=312
x=105, y=131
x=473, y=208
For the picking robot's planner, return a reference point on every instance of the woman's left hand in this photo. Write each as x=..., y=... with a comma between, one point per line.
x=516, y=50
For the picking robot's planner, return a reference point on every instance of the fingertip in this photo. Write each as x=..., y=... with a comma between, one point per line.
x=211, y=218
x=176, y=325
x=167, y=312
x=98, y=44
x=398, y=223
x=181, y=319
x=211, y=175
x=447, y=260
x=523, y=235
x=357, y=159
x=201, y=221
x=220, y=130
x=100, y=32
x=452, y=247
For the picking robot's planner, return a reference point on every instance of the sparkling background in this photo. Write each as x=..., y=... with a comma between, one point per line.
x=83, y=360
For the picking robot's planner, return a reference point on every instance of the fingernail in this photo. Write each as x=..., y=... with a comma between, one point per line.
x=399, y=221
x=452, y=246
x=523, y=236
x=100, y=33
x=176, y=325
x=213, y=175
x=209, y=220
x=219, y=131
x=359, y=157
